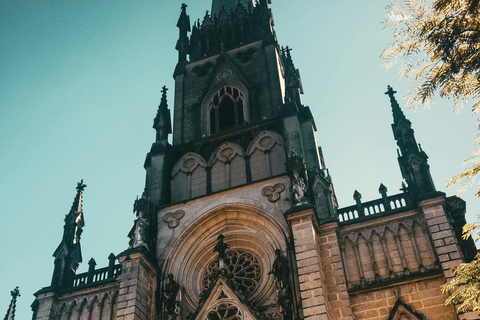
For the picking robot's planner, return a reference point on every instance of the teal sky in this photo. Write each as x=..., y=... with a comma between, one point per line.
x=80, y=84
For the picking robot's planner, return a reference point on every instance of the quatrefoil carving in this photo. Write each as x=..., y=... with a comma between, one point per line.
x=273, y=193
x=173, y=218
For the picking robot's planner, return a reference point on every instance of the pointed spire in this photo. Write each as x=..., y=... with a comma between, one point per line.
x=161, y=123
x=13, y=304
x=411, y=158
x=396, y=110
x=68, y=253
x=74, y=220
x=183, y=26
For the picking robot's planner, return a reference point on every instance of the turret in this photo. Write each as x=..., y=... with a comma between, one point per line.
x=68, y=254
x=183, y=26
x=411, y=158
x=161, y=123
x=157, y=178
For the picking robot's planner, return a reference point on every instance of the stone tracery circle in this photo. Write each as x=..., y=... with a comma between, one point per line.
x=243, y=265
x=224, y=311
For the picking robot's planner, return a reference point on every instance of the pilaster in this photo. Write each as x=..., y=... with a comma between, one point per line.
x=45, y=305
x=136, y=299
x=320, y=271
x=442, y=235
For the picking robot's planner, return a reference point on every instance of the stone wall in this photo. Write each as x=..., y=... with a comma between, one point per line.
x=423, y=295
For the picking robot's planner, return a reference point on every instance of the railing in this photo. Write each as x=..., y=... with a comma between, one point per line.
x=92, y=276
x=372, y=209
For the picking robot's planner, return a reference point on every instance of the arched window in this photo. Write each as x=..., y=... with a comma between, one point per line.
x=226, y=109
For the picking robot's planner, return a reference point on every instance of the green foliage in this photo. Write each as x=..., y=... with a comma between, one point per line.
x=438, y=46
x=465, y=287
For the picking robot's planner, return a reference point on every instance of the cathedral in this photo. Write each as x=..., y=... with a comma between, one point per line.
x=239, y=219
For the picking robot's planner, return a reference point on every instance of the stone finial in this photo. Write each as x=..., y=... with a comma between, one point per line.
x=382, y=189
x=357, y=196
x=221, y=247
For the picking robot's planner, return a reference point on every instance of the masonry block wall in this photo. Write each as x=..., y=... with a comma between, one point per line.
x=136, y=297
x=442, y=235
x=424, y=295
x=310, y=275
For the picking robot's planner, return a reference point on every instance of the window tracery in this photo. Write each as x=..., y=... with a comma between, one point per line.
x=226, y=109
x=244, y=267
x=224, y=311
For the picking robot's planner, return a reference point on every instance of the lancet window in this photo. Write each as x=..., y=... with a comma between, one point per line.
x=226, y=109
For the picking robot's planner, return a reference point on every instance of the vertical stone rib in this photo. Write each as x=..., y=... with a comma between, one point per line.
x=387, y=255
x=267, y=161
x=400, y=252
x=359, y=262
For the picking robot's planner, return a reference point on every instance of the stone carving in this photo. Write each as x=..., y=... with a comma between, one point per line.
x=273, y=193
x=281, y=272
x=172, y=304
x=265, y=141
x=140, y=233
x=299, y=189
x=296, y=168
x=173, y=218
x=220, y=247
x=225, y=74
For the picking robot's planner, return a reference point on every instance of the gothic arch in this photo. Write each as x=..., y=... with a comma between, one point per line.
x=245, y=227
x=267, y=155
x=228, y=166
x=189, y=177
x=242, y=117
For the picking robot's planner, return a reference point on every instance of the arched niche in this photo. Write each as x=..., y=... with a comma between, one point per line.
x=228, y=167
x=267, y=155
x=189, y=177
x=246, y=228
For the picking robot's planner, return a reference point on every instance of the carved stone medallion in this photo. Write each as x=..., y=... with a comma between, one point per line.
x=273, y=193
x=173, y=218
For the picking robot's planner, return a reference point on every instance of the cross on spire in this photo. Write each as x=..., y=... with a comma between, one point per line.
x=81, y=186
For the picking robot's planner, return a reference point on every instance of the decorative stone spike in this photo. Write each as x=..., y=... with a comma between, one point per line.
x=383, y=191
x=357, y=197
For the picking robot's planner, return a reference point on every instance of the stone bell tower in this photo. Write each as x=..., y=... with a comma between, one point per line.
x=244, y=165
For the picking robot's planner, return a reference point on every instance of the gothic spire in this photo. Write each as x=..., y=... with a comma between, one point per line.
x=13, y=304
x=161, y=123
x=411, y=158
x=183, y=26
x=68, y=254
x=396, y=110
x=74, y=219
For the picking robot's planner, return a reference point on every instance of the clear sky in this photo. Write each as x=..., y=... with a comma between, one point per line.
x=80, y=84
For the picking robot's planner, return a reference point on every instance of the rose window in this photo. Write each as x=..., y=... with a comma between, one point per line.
x=242, y=265
x=224, y=311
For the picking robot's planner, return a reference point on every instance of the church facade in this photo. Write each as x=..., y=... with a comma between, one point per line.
x=239, y=218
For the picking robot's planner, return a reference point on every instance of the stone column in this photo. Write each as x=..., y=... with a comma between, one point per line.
x=136, y=298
